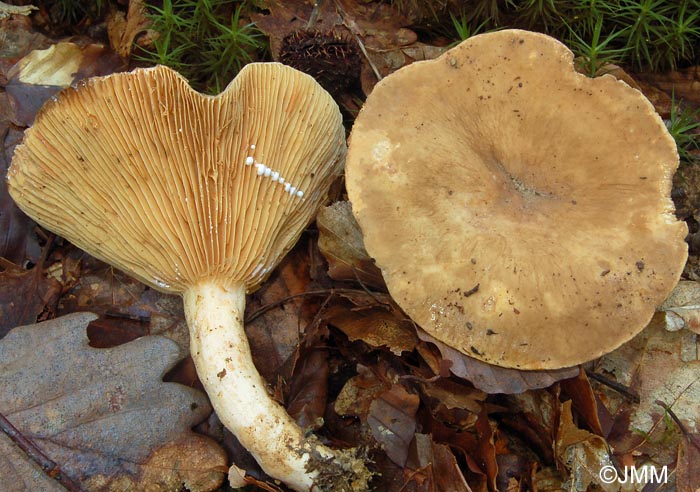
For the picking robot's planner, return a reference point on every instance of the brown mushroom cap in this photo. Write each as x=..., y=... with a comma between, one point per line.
x=520, y=212
x=145, y=173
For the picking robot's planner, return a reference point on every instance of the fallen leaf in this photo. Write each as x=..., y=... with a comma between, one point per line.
x=392, y=419
x=24, y=295
x=104, y=416
x=40, y=74
x=687, y=469
x=377, y=325
x=18, y=240
x=340, y=241
x=123, y=29
x=486, y=450
x=495, y=379
x=433, y=467
x=308, y=392
x=359, y=392
x=682, y=307
x=658, y=365
x=582, y=454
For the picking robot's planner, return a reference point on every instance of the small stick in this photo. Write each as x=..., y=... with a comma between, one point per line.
x=693, y=440
x=51, y=469
x=314, y=15
x=620, y=388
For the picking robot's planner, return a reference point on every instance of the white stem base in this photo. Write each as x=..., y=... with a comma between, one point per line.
x=221, y=353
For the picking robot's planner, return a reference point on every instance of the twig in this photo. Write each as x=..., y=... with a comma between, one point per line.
x=693, y=440
x=620, y=388
x=352, y=27
x=311, y=293
x=51, y=469
x=314, y=15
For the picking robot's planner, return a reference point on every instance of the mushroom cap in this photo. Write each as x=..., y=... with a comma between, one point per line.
x=520, y=212
x=143, y=172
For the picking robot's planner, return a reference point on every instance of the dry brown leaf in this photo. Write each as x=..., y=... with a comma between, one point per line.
x=494, y=379
x=359, y=392
x=582, y=454
x=276, y=333
x=123, y=29
x=24, y=294
x=658, y=365
x=687, y=469
x=579, y=390
x=486, y=450
x=42, y=73
x=392, y=419
x=376, y=326
x=340, y=241
x=308, y=392
x=432, y=467
x=104, y=416
x=682, y=307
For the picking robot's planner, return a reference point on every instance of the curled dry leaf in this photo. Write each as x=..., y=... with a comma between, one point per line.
x=494, y=379
x=104, y=416
x=123, y=29
x=340, y=241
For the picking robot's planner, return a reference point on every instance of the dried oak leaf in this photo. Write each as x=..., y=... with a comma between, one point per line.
x=104, y=416
x=340, y=241
x=494, y=379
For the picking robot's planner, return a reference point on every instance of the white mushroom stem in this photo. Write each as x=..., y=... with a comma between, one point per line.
x=238, y=393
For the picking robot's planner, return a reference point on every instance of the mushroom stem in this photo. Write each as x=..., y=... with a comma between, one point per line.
x=221, y=353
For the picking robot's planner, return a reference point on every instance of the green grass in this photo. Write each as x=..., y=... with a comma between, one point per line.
x=684, y=125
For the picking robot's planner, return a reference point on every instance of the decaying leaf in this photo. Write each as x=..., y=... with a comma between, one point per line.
x=582, y=454
x=378, y=325
x=24, y=294
x=658, y=365
x=682, y=307
x=340, y=241
x=432, y=467
x=687, y=469
x=494, y=379
x=104, y=416
x=359, y=392
x=392, y=419
x=123, y=29
x=42, y=73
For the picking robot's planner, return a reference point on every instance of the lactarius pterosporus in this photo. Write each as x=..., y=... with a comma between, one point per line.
x=200, y=196
x=520, y=211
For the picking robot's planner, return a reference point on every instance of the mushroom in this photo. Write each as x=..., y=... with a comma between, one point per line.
x=519, y=211
x=200, y=196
